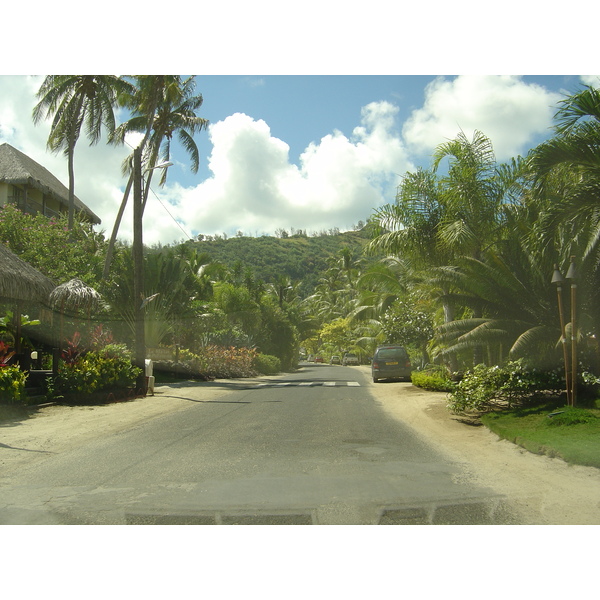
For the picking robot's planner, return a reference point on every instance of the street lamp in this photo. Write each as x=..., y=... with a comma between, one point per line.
x=138, y=266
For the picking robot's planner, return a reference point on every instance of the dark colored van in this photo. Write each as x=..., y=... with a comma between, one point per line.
x=390, y=362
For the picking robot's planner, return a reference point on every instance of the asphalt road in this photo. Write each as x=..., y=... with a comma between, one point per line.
x=309, y=448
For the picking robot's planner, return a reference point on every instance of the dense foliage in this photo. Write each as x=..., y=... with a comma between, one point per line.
x=83, y=372
x=12, y=384
x=77, y=252
x=483, y=388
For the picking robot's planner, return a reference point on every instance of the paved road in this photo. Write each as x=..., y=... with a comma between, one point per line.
x=308, y=448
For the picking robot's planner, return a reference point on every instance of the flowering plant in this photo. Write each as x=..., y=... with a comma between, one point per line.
x=12, y=384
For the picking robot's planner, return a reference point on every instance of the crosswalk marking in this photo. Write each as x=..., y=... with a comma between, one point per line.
x=309, y=384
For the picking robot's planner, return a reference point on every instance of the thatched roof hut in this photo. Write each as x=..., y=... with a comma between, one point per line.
x=20, y=281
x=17, y=168
x=74, y=296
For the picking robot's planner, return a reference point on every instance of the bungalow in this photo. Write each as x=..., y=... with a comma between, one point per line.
x=33, y=189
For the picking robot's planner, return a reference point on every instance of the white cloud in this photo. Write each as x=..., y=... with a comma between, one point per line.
x=255, y=188
x=591, y=80
x=504, y=108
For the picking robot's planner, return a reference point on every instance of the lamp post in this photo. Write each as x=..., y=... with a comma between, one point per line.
x=138, y=265
x=571, y=276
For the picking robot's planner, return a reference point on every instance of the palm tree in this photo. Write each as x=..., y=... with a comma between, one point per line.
x=75, y=100
x=162, y=106
x=569, y=163
x=471, y=193
x=512, y=297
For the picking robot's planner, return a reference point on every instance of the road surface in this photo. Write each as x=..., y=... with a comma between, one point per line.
x=314, y=447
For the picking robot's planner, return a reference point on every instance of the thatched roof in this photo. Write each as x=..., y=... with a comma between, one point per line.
x=74, y=295
x=20, y=281
x=17, y=168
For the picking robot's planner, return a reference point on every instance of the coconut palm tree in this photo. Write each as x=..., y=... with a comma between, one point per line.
x=172, y=113
x=75, y=101
x=162, y=105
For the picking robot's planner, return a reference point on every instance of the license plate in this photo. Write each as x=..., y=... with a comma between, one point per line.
x=391, y=363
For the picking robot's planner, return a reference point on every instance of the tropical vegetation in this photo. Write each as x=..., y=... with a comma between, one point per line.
x=458, y=268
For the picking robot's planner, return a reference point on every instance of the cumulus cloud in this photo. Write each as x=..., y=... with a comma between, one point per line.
x=504, y=108
x=255, y=188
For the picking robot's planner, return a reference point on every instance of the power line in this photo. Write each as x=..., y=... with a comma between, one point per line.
x=172, y=217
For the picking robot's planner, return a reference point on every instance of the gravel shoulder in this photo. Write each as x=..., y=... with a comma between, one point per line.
x=545, y=490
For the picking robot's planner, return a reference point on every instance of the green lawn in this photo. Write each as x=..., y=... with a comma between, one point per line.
x=572, y=434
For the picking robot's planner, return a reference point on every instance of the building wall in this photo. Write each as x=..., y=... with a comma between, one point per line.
x=30, y=200
x=3, y=193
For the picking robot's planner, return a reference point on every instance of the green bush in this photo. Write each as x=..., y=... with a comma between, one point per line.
x=12, y=385
x=483, y=388
x=436, y=380
x=267, y=364
x=107, y=369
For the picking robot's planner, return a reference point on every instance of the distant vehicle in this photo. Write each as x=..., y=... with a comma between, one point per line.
x=391, y=362
x=311, y=358
x=319, y=359
x=335, y=360
x=350, y=359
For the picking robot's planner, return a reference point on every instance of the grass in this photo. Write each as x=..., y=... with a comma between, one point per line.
x=569, y=433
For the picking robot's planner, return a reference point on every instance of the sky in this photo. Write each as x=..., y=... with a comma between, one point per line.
x=297, y=152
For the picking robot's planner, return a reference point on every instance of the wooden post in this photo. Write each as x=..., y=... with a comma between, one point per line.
x=138, y=271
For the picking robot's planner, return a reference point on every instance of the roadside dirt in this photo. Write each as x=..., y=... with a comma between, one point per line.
x=545, y=490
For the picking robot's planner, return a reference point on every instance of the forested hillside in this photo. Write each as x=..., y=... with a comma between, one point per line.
x=302, y=258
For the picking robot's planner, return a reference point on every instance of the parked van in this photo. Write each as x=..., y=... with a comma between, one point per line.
x=391, y=362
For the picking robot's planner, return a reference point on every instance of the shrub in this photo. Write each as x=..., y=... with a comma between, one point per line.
x=223, y=362
x=436, y=380
x=485, y=388
x=106, y=369
x=12, y=385
x=216, y=362
x=267, y=364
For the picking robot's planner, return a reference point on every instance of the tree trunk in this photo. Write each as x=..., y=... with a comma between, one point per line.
x=115, y=231
x=71, y=187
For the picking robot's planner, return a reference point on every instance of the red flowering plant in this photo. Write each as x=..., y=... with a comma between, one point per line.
x=5, y=354
x=74, y=350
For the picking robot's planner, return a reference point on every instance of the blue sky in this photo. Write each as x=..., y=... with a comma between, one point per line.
x=294, y=151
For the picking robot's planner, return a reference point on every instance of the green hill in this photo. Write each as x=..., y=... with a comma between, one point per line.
x=300, y=257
